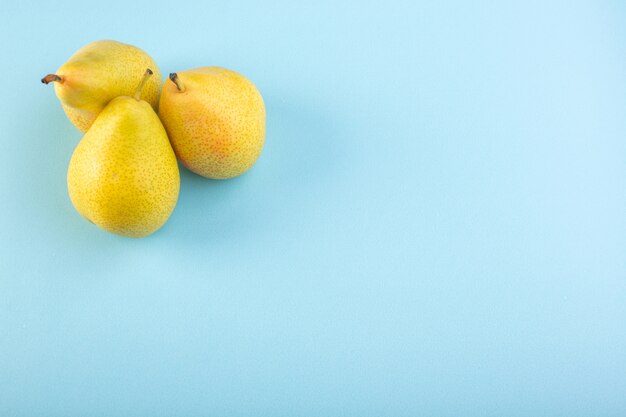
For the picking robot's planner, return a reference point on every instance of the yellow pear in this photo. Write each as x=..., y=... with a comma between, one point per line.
x=96, y=74
x=123, y=175
x=215, y=119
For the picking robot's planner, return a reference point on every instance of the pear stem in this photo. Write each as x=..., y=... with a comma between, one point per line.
x=146, y=75
x=176, y=80
x=50, y=78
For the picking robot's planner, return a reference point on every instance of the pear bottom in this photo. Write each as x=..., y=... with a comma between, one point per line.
x=123, y=175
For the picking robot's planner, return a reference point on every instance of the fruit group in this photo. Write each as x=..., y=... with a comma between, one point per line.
x=99, y=72
x=215, y=119
x=123, y=175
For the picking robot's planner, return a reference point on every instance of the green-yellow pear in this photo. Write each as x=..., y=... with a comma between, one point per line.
x=96, y=74
x=215, y=119
x=123, y=175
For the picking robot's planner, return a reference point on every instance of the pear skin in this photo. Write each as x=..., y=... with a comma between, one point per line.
x=215, y=119
x=123, y=175
x=99, y=72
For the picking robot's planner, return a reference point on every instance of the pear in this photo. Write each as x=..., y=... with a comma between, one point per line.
x=96, y=74
x=215, y=119
x=123, y=175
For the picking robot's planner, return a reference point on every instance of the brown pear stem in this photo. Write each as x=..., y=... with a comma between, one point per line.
x=176, y=80
x=50, y=78
x=146, y=75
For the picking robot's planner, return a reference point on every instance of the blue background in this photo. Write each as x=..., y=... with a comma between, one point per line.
x=437, y=225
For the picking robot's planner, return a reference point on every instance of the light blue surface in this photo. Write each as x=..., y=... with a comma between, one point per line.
x=436, y=227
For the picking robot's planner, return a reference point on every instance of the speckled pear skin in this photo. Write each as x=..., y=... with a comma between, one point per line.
x=123, y=175
x=99, y=72
x=216, y=124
